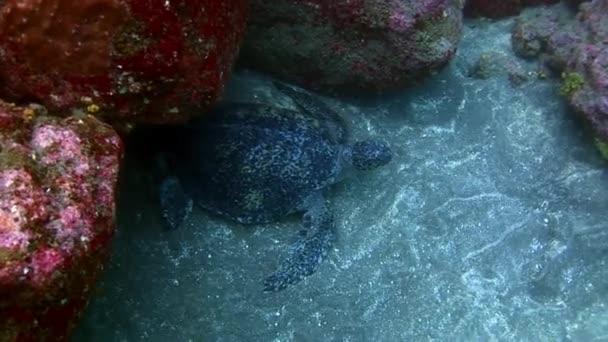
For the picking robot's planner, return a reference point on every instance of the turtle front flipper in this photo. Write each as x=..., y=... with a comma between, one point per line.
x=307, y=253
x=175, y=203
x=336, y=126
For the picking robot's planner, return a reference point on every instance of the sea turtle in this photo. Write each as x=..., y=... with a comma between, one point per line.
x=256, y=163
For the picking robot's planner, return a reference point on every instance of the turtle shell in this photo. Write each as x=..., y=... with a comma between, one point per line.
x=255, y=163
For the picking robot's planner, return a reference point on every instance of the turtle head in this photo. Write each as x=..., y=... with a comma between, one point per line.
x=370, y=154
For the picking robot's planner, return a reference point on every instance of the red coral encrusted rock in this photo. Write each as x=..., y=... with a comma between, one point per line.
x=501, y=8
x=57, y=182
x=351, y=46
x=126, y=60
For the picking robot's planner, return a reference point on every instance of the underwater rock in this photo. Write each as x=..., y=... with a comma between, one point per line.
x=549, y=33
x=493, y=64
x=591, y=100
x=125, y=60
x=351, y=46
x=576, y=2
x=57, y=181
x=501, y=8
x=576, y=49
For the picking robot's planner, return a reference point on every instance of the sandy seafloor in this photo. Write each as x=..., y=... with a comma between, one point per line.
x=491, y=223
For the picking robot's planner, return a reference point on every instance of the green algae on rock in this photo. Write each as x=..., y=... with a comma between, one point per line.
x=602, y=147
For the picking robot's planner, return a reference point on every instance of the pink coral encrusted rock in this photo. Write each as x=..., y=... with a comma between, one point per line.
x=57, y=182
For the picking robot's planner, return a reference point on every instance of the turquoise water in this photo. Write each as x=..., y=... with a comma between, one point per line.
x=489, y=224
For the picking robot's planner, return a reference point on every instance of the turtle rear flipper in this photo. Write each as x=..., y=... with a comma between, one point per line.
x=175, y=203
x=307, y=253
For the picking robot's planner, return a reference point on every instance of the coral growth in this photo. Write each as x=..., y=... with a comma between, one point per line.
x=352, y=46
x=57, y=181
x=139, y=61
x=575, y=47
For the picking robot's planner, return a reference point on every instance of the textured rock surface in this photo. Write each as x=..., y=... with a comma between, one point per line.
x=57, y=181
x=575, y=48
x=489, y=224
x=128, y=60
x=351, y=46
x=491, y=64
x=501, y=8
